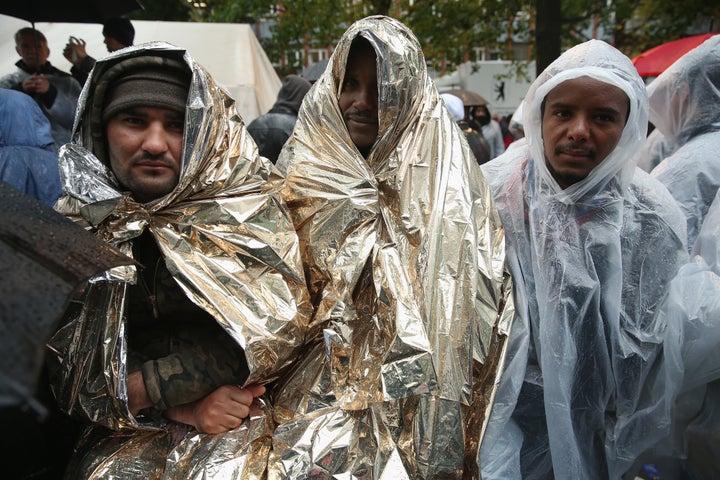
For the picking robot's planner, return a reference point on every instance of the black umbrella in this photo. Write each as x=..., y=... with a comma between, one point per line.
x=44, y=258
x=72, y=11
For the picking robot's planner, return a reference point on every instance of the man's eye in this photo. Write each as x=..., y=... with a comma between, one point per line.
x=133, y=120
x=177, y=126
x=606, y=118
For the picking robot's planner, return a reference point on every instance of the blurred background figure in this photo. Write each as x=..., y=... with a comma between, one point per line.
x=55, y=91
x=118, y=32
x=28, y=159
x=516, y=123
x=480, y=119
x=476, y=140
x=655, y=149
x=685, y=108
x=271, y=130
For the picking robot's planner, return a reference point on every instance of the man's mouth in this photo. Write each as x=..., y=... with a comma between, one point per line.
x=147, y=163
x=364, y=118
x=575, y=151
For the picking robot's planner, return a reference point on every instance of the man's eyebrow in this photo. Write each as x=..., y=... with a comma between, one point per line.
x=599, y=109
x=560, y=105
x=608, y=110
x=173, y=115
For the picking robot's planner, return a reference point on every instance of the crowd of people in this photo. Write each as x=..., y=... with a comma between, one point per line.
x=370, y=280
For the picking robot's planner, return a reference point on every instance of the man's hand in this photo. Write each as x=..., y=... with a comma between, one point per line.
x=35, y=84
x=222, y=410
x=75, y=52
x=138, y=397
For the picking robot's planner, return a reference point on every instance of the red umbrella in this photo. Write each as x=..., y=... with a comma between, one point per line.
x=653, y=62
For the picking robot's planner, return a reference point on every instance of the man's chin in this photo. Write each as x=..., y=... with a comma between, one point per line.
x=148, y=193
x=567, y=179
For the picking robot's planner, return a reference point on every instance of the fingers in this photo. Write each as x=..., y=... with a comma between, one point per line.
x=224, y=409
x=255, y=390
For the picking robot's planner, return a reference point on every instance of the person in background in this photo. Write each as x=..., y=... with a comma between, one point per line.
x=28, y=159
x=604, y=364
x=504, y=122
x=475, y=139
x=655, y=149
x=118, y=32
x=404, y=258
x=162, y=168
x=685, y=108
x=55, y=91
x=480, y=119
x=271, y=130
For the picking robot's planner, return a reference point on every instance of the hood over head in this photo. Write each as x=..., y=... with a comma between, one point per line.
x=602, y=62
x=454, y=105
x=685, y=98
x=22, y=123
x=291, y=94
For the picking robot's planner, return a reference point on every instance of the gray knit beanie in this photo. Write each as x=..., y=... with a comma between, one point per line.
x=147, y=87
x=145, y=80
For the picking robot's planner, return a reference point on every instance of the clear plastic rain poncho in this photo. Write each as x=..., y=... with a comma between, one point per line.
x=404, y=255
x=685, y=107
x=228, y=241
x=589, y=383
x=692, y=313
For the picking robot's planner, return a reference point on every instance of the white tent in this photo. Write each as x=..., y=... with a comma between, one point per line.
x=229, y=51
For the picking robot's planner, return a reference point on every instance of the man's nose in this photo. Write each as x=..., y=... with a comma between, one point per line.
x=156, y=139
x=579, y=128
x=366, y=99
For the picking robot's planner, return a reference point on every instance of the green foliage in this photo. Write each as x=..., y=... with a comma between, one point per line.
x=654, y=22
x=450, y=30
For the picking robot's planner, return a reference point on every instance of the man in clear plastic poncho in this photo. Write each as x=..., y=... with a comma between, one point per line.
x=161, y=359
x=685, y=107
x=404, y=258
x=593, y=243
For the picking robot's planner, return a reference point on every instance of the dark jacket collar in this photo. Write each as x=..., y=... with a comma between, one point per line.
x=46, y=68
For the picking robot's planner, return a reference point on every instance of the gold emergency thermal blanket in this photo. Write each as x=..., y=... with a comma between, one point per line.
x=226, y=238
x=394, y=373
x=404, y=258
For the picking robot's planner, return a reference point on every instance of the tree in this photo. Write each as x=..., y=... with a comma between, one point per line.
x=452, y=31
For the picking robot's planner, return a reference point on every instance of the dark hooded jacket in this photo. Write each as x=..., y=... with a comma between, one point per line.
x=271, y=131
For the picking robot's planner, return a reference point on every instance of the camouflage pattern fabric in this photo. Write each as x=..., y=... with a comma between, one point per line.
x=182, y=351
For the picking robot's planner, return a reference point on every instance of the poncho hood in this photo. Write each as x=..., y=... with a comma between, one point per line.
x=600, y=61
x=685, y=98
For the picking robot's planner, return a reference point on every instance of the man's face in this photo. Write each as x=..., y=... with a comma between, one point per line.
x=582, y=122
x=359, y=97
x=112, y=44
x=33, y=50
x=145, y=147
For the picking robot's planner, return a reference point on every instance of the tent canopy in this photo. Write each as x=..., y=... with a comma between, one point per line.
x=229, y=51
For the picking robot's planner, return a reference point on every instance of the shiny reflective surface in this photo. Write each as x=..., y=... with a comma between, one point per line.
x=405, y=254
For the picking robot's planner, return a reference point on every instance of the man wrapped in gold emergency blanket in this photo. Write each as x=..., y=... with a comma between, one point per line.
x=404, y=259
x=225, y=287
x=403, y=251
